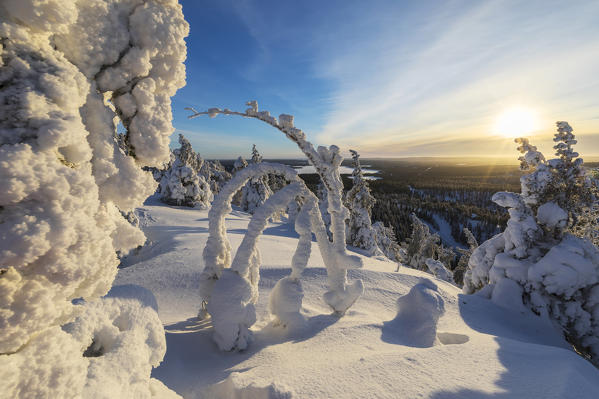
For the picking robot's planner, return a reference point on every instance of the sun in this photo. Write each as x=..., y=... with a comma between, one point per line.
x=516, y=122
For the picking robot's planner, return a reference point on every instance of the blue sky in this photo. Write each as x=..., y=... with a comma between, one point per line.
x=390, y=78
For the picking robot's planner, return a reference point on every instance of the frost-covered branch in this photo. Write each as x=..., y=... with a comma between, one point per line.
x=326, y=161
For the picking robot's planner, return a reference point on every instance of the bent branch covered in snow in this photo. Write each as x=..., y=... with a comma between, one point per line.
x=217, y=253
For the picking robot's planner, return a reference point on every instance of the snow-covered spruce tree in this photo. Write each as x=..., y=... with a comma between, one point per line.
x=215, y=174
x=230, y=287
x=387, y=243
x=421, y=244
x=360, y=201
x=537, y=263
x=256, y=191
x=181, y=184
x=68, y=69
x=465, y=254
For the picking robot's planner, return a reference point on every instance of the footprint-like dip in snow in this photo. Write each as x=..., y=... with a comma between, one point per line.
x=447, y=338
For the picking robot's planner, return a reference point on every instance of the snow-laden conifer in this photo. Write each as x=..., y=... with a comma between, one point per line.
x=360, y=201
x=215, y=173
x=387, y=243
x=181, y=183
x=256, y=191
x=69, y=71
x=465, y=253
x=537, y=262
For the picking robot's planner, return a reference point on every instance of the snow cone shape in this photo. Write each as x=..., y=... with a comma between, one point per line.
x=418, y=314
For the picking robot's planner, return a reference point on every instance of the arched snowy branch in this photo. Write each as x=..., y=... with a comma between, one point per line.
x=217, y=253
x=326, y=162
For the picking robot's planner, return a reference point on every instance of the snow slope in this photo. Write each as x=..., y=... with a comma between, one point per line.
x=480, y=350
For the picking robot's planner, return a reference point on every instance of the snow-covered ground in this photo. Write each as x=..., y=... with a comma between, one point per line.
x=478, y=350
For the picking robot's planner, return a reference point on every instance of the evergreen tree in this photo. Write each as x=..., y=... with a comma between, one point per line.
x=256, y=191
x=465, y=253
x=537, y=262
x=180, y=183
x=360, y=201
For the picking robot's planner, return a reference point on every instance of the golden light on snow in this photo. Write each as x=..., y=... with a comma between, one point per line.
x=516, y=122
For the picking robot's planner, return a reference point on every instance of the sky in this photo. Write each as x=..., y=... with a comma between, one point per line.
x=392, y=78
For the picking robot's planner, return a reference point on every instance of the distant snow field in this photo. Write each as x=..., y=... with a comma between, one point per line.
x=410, y=335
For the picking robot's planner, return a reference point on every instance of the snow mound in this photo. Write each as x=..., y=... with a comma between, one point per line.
x=417, y=316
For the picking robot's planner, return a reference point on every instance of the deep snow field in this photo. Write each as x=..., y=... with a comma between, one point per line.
x=480, y=350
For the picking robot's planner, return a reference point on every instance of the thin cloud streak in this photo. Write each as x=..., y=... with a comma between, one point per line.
x=484, y=60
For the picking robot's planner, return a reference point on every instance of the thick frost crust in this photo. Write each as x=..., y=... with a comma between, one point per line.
x=67, y=69
x=108, y=351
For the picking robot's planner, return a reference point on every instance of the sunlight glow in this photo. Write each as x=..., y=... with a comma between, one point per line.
x=516, y=122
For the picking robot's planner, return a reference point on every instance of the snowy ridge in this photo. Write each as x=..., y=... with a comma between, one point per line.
x=478, y=350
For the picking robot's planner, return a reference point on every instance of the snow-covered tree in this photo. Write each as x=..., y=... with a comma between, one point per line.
x=256, y=191
x=360, y=201
x=69, y=71
x=537, y=263
x=181, y=183
x=439, y=270
x=215, y=173
x=423, y=246
x=387, y=243
x=465, y=254
x=230, y=286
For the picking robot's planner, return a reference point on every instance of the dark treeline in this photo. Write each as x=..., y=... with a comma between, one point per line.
x=458, y=193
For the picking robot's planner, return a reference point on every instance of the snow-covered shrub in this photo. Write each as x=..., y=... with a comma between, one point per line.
x=537, y=262
x=230, y=287
x=360, y=201
x=68, y=70
x=181, y=183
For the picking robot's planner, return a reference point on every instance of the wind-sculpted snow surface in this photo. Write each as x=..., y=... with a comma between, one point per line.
x=68, y=69
x=217, y=254
x=537, y=263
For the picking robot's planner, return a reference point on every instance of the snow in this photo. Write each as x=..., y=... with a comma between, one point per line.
x=552, y=216
x=479, y=349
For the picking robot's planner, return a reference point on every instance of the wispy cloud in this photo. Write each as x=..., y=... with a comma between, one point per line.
x=455, y=72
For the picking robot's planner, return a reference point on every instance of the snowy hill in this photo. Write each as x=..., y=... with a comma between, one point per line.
x=480, y=350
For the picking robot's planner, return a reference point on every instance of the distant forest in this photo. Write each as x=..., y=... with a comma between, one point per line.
x=459, y=194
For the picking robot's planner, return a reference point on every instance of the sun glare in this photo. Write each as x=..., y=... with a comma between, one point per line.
x=516, y=122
